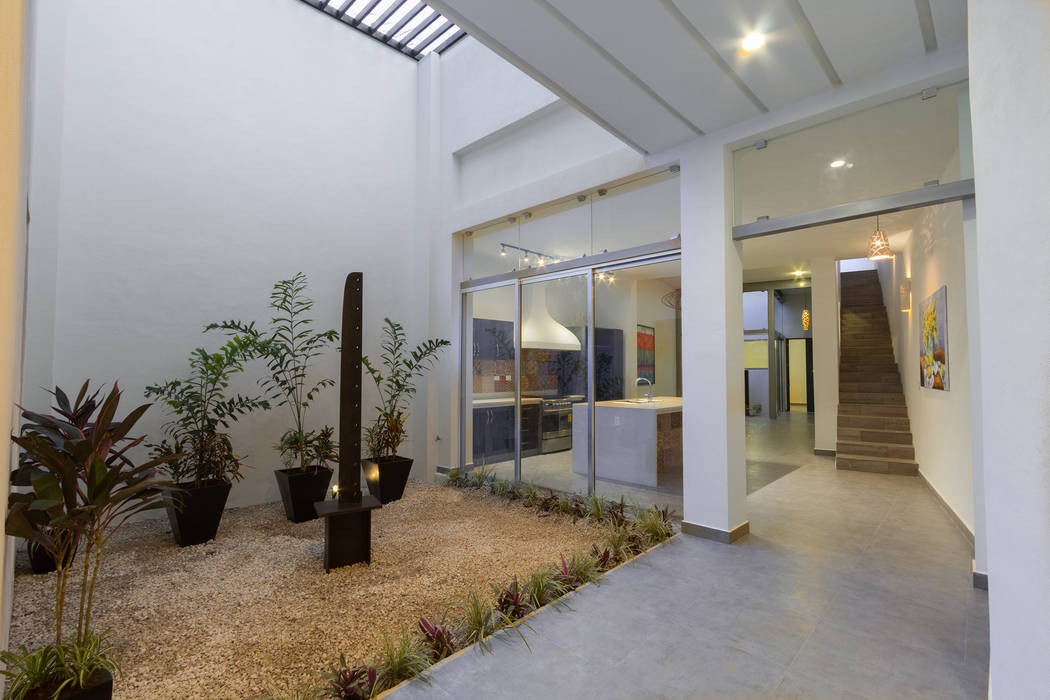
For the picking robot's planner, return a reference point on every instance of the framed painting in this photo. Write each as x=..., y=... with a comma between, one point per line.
x=647, y=353
x=933, y=341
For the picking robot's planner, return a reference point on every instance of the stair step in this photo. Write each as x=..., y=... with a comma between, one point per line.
x=870, y=397
x=873, y=409
x=853, y=377
x=889, y=387
x=878, y=465
x=897, y=437
x=875, y=449
x=848, y=420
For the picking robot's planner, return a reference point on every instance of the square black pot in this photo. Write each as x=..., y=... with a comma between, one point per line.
x=300, y=490
x=387, y=478
x=196, y=518
x=99, y=687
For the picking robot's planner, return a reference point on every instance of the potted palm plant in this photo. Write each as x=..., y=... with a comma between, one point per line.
x=289, y=348
x=197, y=451
x=395, y=375
x=78, y=486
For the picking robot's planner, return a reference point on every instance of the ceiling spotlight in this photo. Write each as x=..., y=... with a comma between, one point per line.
x=601, y=276
x=798, y=273
x=753, y=41
x=540, y=261
x=612, y=278
x=837, y=163
x=525, y=260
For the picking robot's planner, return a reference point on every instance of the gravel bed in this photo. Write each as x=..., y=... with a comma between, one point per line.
x=218, y=619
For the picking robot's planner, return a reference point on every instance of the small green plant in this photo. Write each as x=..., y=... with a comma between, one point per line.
x=623, y=542
x=479, y=477
x=27, y=670
x=456, y=478
x=203, y=409
x=603, y=558
x=401, y=659
x=542, y=587
x=596, y=508
x=478, y=619
x=654, y=524
x=395, y=379
x=56, y=668
x=578, y=570
x=530, y=495
x=289, y=348
x=439, y=636
x=343, y=682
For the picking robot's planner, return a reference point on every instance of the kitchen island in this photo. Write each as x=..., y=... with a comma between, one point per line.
x=639, y=442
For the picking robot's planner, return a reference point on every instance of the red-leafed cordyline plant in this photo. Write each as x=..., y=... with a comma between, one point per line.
x=439, y=636
x=83, y=486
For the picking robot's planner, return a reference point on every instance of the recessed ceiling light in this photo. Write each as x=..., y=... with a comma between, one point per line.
x=753, y=41
x=837, y=163
x=798, y=273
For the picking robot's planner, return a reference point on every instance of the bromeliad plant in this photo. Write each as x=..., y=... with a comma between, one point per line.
x=83, y=485
x=200, y=451
x=395, y=377
x=289, y=348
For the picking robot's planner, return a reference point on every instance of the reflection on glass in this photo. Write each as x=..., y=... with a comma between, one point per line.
x=890, y=148
x=488, y=343
x=554, y=383
x=638, y=373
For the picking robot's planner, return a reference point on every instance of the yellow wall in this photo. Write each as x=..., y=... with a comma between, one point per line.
x=756, y=355
x=797, y=370
x=12, y=250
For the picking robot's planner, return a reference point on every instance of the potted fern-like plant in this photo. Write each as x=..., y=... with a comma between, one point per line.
x=79, y=486
x=198, y=452
x=395, y=375
x=289, y=348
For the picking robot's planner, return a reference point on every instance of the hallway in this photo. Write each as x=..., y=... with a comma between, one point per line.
x=850, y=585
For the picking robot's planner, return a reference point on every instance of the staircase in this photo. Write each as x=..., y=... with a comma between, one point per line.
x=874, y=433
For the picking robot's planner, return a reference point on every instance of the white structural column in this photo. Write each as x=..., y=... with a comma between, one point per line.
x=12, y=254
x=1010, y=103
x=714, y=476
x=825, y=324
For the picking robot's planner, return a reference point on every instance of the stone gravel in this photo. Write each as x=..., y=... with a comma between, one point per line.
x=220, y=619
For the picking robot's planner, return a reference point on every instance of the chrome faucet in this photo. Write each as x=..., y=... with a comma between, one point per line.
x=646, y=380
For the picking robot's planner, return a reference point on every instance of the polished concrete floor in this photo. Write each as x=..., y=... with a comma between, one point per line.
x=850, y=585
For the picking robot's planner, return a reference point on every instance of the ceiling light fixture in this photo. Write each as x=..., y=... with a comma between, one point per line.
x=879, y=245
x=798, y=273
x=503, y=251
x=805, y=319
x=837, y=163
x=753, y=41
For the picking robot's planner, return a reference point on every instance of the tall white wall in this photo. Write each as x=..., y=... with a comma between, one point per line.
x=203, y=152
x=1009, y=70
x=825, y=329
x=940, y=420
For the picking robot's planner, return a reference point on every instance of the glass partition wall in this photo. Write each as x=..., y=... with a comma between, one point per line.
x=546, y=353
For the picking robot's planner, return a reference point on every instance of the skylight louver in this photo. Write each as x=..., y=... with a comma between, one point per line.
x=409, y=26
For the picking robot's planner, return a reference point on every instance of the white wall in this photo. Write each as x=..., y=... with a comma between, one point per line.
x=940, y=420
x=825, y=329
x=204, y=152
x=1009, y=68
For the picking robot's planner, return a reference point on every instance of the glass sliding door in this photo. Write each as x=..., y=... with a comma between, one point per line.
x=489, y=366
x=638, y=383
x=555, y=443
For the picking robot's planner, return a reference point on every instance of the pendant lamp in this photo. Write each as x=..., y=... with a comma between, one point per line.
x=879, y=246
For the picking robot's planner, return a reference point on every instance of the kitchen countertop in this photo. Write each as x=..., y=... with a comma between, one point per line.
x=659, y=404
x=498, y=402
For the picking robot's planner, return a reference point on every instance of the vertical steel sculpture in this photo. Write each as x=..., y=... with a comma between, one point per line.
x=348, y=518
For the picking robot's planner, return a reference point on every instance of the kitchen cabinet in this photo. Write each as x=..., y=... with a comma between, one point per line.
x=493, y=438
x=493, y=340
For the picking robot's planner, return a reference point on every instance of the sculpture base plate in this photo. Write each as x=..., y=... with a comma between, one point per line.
x=347, y=531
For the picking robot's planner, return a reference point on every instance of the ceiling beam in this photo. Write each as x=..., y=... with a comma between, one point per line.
x=810, y=35
x=615, y=63
x=929, y=35
x=902, y=201
x=712, y=53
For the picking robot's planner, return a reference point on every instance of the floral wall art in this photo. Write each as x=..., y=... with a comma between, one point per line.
x=933, y=341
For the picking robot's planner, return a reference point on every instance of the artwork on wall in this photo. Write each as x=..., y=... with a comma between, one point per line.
x=933, y=341
x=647, y=353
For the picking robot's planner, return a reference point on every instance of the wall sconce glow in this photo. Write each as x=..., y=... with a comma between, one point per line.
x=753, y=41
x=906, y=294
x=837, y=163
x=879, y=245
x=805, y=319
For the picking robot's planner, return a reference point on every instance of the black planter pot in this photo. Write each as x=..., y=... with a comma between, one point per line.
x=387, y=478
x=100, y=687
x=300, y=490
x=197, y=520
x=41, y=561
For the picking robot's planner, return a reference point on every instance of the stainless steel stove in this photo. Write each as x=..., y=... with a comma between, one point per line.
x=556, y=423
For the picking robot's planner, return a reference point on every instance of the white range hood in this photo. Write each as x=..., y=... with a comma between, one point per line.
x=539, y=330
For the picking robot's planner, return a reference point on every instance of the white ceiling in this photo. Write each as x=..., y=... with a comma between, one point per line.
x=660, y=72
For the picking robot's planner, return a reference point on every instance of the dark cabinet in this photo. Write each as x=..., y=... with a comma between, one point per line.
x=494, y=432
x=493, y=340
